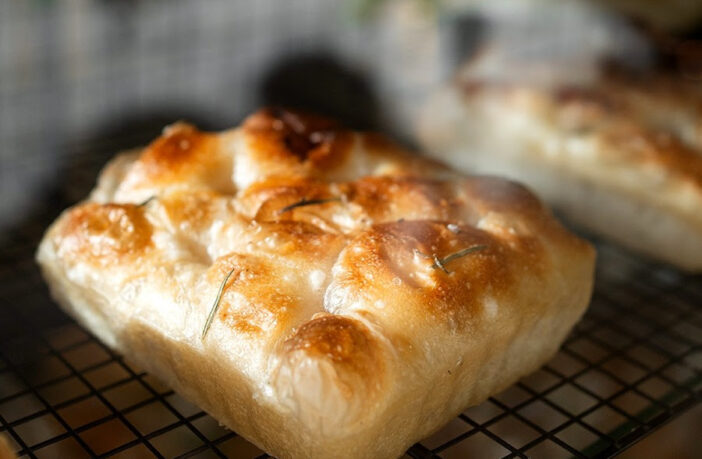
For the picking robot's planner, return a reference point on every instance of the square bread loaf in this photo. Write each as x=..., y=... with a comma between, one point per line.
x=322, y=292
x=620, y=156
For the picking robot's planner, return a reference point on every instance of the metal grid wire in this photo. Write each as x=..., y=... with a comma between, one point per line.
x=633, y=363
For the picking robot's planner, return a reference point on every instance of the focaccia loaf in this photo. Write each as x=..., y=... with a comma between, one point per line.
x=371, y=295
x=621, y=156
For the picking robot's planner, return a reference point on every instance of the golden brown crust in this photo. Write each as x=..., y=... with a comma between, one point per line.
x=182, y=157
x=105, y=234
x=192, y=211
x=353, y=277
x=181, y=147
x=266, y=309
x=181, y=151
x=301, y=141
x=347, y=343
x=455, y=292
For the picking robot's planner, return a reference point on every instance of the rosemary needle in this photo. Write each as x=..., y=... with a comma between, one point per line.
x=440, y=263
x=215, y=306
x=453, y=256
x=147, y=201
x=307, y=202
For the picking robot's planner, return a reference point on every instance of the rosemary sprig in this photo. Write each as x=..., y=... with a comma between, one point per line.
x=308, y=202
x=147, y=201
x=215, y=306
x=462, y=253
x=440, y=263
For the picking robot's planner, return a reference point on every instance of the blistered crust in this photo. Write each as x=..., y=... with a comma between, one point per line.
x=310, y=142
x=105, y=234
x=353, y=276
x=182, y=157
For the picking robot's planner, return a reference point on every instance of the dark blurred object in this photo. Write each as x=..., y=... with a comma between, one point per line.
x=676, y=16
x=320, y=83
x=689, y=55
x=548, y=42
x=544, y=42
x=463, y=36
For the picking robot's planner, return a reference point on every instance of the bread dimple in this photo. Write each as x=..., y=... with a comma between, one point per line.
x=347, y=207
x=410, y=198
x=193, y=211
x=254, y=300
x=344, y=263
x=276, y=199
x=344, y=341
x=104, y=234
x=392, y=271
x=279, y=271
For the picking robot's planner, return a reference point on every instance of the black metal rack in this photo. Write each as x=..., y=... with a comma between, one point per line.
x=633, y=363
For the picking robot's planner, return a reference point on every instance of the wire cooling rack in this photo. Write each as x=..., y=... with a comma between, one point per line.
x=633, y=363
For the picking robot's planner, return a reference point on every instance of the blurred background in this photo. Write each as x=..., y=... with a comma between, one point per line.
x=81, y=80
x=84, y=76
x=78, y=73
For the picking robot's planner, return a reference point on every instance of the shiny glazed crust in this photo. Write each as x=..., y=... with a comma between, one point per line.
x=622, y=156
x=346, y=328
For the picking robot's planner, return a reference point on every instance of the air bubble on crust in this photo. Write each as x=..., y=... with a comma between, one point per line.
x=490, y=307
x=317, y=278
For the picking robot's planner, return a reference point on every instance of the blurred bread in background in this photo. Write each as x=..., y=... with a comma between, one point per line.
x=570, y=99
x=620, y=157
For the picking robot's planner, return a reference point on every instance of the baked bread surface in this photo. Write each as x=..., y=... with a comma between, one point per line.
x=621, y=156
x=371, y=294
